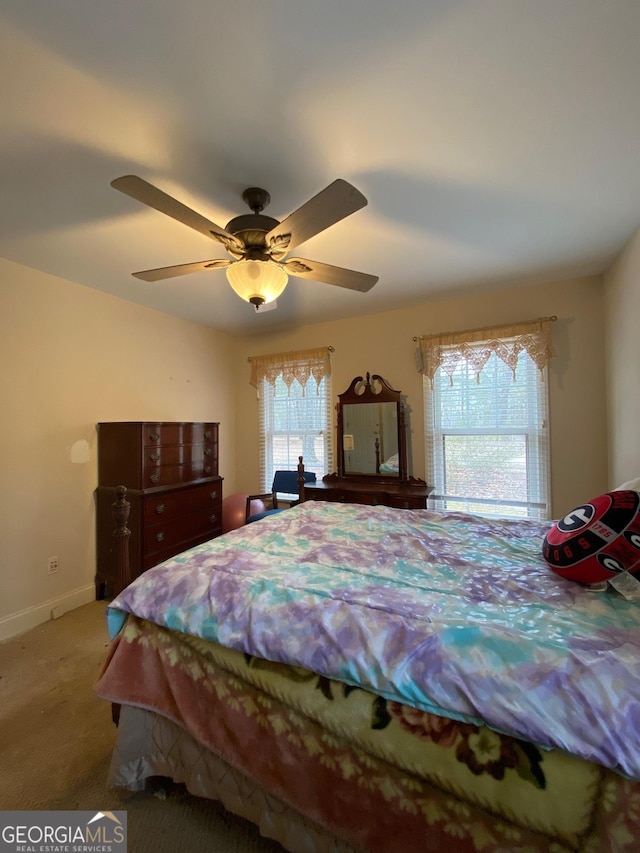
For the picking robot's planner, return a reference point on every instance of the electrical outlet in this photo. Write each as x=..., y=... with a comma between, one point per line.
x=52, y=564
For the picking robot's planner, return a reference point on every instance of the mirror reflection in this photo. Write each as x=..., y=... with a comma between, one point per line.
x=370, y=438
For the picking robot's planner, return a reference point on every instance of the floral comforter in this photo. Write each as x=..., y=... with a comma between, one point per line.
x=382, y=776
x=447, y=613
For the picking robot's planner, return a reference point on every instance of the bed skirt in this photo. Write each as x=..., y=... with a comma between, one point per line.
x=150, y=745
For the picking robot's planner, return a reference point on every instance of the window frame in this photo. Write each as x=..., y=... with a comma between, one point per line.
x=267, y=429
x=536, y=450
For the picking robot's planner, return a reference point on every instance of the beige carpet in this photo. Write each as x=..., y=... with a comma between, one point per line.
x=56, y=739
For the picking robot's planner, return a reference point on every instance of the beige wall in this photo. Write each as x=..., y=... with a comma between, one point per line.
x=622, y=300
x=72, y=357
x=383, y=343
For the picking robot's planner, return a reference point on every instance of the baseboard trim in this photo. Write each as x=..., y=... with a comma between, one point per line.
x=24, y=620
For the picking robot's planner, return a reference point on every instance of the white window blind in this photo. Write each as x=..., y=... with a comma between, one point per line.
x=295, y=421
x=487, y=435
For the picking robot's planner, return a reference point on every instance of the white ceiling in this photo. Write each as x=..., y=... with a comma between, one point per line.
x=497, y=141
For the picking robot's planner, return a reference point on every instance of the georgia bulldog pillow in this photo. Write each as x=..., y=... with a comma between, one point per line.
x=596, y=540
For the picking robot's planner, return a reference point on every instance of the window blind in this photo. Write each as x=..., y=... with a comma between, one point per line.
x=487, y=436
x=295, y=421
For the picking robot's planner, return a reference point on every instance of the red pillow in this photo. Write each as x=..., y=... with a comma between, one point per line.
x=597, y=540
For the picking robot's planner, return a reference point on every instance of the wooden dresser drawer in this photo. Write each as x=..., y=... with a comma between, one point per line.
x=177, y=454
x=348, y=496
x=152, y=559
x=406, y=501
x=170, y=475
x=179, y=433
x=353, y=497
x=170, y=505
x=171, y=534
x=400, y=496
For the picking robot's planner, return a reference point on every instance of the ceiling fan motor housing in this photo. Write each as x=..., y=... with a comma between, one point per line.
x=251, y=228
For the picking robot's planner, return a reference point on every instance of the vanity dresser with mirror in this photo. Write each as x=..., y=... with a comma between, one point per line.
x=372, y=450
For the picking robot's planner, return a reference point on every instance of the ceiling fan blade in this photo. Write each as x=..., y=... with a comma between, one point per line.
x=337, y=201
x=340, y=276
x=181, y=269
x=141, y=190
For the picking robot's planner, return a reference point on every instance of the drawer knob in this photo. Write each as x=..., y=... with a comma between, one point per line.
x=207, y=469
x=213, y=518
x=155, y=478
x=159, y=537
x=154, y=436
x=208, y=451
x=207, y=433
x=154, y=457
x=160, y=509
x=213, y=495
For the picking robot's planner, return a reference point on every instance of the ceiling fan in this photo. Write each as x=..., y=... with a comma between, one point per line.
x=258, y=245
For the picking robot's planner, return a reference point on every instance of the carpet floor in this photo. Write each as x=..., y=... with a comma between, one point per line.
x=56, y=739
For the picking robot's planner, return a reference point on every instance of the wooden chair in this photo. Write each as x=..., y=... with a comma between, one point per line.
x=286, y=483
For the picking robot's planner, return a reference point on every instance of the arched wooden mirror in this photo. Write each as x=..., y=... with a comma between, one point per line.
x=372, y=451
x=372, y=431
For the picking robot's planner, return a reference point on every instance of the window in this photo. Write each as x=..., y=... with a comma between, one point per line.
x=295, y=394
x=486, y=428
x=294, y=422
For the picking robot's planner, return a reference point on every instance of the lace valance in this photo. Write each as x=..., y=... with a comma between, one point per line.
x=298, y=365
x=476, y=346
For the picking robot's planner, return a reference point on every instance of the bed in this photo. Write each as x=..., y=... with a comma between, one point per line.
x=390, y=465
x=363, y=678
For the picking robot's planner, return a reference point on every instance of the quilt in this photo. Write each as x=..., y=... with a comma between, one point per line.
x=386, y=777
x=451, y=614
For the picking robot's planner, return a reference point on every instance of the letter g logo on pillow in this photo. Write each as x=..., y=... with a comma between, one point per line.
x=577, y=518
x=596, y=540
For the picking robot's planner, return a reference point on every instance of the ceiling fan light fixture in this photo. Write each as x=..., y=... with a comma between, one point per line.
x=257, y=282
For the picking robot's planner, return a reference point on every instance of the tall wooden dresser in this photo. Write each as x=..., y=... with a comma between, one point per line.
x=170, y=471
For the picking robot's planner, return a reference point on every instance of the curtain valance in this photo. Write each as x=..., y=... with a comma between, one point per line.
x=476, y=346
x=298, y=365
